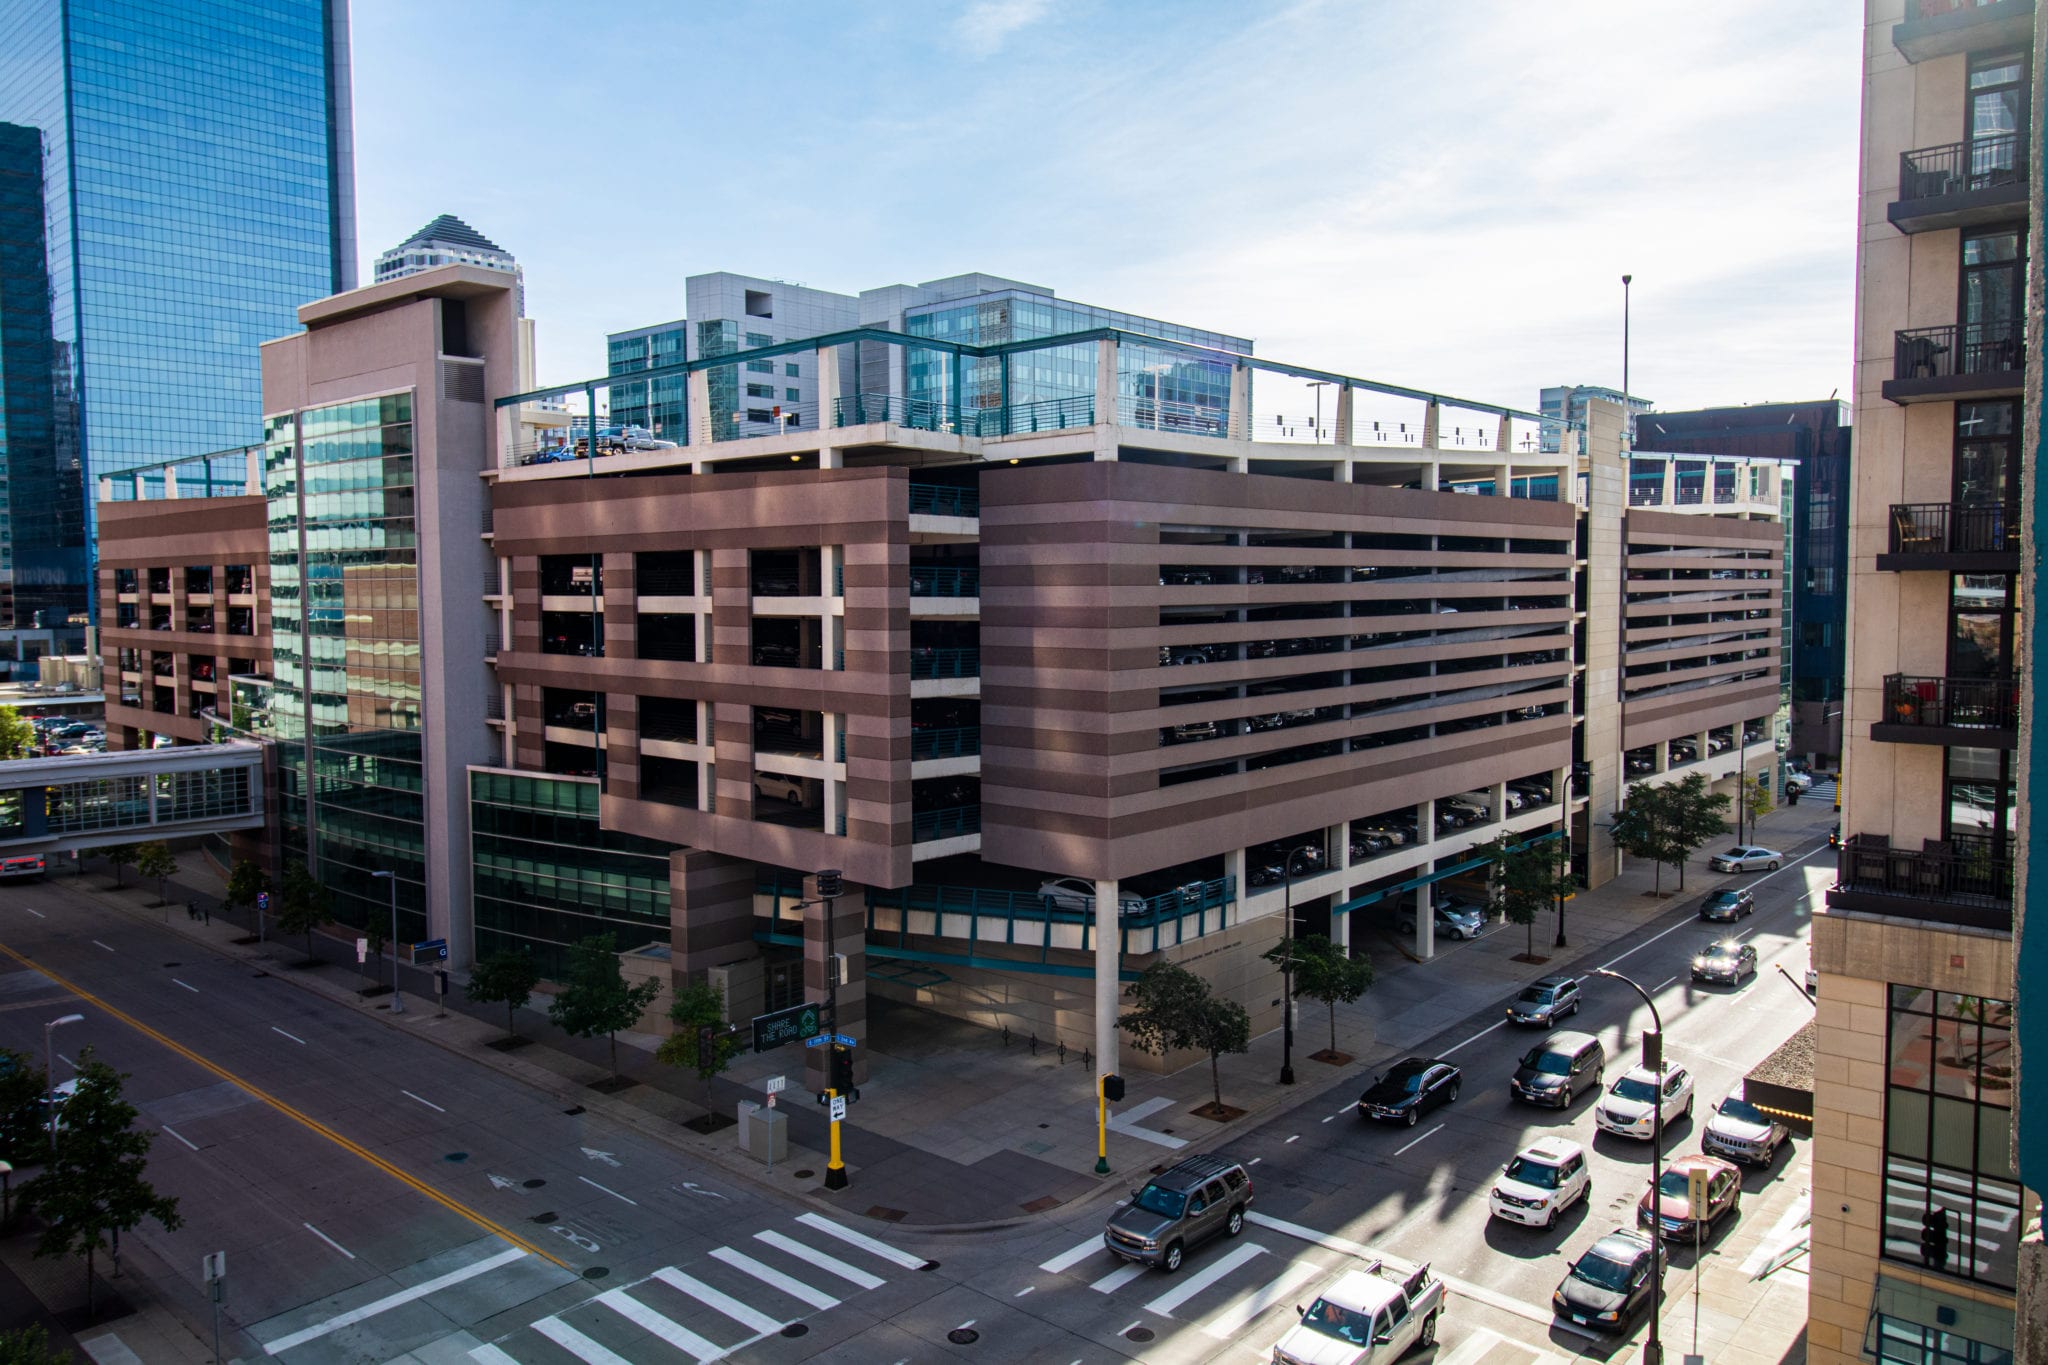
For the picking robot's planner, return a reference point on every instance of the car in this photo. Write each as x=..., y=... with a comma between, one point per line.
x=1183, y=1206
x=1607, y=1286
x=1411, y=1088
x=790, y=789
x=1077, y=896
x=1812, y=976
x=1545, y=1178
x=1371, y=1316
x=1631, y=1107
x=53, y=1101
x=1798, y=782
x=1545, y=1002
x=1723, y=959
x=1555, y=1070
x=1392, y=833
x=1728, y=905
x=1746, y=858
x=1453, y=918
x=1742, y=1132
x=1673, y=1213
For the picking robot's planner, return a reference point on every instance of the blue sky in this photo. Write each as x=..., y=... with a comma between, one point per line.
x=1443, y=196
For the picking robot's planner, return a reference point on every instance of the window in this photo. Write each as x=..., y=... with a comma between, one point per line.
x=1980, y=805
x=1998, y=103
x=1981, y=612
x=1947, y=1129
x=760, y=304
x=1987, y=464
x=760, y=390
x=759, y=415
x=1993, y=285
x=792, y=395
x=792, y=370
x=759, y=339
x=761, y=367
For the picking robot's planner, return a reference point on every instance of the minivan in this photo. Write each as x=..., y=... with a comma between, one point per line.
x=1555, y=1070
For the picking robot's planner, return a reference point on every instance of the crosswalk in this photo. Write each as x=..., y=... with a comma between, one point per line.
x=736, y=1296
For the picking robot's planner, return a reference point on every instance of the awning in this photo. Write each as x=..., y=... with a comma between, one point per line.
x=1914, y=1324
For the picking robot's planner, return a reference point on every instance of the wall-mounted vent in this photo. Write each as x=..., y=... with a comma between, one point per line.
x=462, y=382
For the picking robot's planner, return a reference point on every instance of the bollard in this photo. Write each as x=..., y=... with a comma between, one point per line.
x=1087, y=1062
x=1006, y=1035
x=1034, y=1042
x=1063, y=1052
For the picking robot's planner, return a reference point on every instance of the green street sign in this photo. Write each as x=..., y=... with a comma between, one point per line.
x=792, y=1025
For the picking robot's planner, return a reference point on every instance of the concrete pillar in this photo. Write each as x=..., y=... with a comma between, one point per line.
x=1432, y=429
x=1240, y=402
x=171, y=486
x=1504, y=439
x=1340, y=928
x=829, y=741
x=1425, y=921
x=1345, y=394
x=827, y=361
x=1607, y=507
x=698, y=386
x=107, y=488
x=1108, y=962
x=1106, y=413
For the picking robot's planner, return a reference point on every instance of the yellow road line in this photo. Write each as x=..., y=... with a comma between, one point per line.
x=452, y=1205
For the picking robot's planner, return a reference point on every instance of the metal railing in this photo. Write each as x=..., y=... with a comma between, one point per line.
x=1944, y=528
x=1047, y=414
x=920, y=414
x=944, y=663
x=1977, y=872
x=488, y=520
x=665, y=583
x=1960, y=167
x=934, y=580
x=1934, y=9
x=1188, y=419
x=1992, y=703
x=668, y=651
x=1195, y=898
x=948, y=823
x=953, y=741
x=1958, y=349
x=944, y=500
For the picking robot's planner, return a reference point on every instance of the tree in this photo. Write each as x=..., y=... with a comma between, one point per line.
x=30, y=1346
x=303, y=904
x=1702, y=817
x=1755, y=798
x=95, y=1183
x=506, y=977
x=17, y=736
x=23, y=1084
x=697, y=1009
x=1646, y=827
x=1175, y=1010
x=246, y=881
x=595, y=999
x=1511, y=889
x=156, y=861
x=1324, y=971
x=122, y=855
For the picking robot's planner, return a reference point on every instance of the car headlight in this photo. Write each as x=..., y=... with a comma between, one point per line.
x=1150, y=1244
x=1699, y=964
x=1610, y=1316
x=1542, y=1202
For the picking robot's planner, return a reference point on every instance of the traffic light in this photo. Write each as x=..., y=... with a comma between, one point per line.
x=707, y=1049
x=1934, y=1239
x=1653, y=1051
x=841, y=1068
x=1113, y=1088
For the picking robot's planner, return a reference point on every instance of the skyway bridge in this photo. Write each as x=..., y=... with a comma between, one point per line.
x=81, y=801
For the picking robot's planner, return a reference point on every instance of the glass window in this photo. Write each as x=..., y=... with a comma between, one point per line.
x=792, y=370
x=759, y=339
x=1981, y=803
x=1982, y=609
x=1987, y=465
x=792, y=395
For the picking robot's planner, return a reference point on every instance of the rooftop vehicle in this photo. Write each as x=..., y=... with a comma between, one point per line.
x=1183, y=1206
x=1365, y=1317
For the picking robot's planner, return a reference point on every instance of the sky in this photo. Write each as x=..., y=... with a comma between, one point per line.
x=1437, y=196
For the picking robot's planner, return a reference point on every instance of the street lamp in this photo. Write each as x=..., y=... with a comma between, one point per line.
x=1287, y=969
x=1628, y=413
x=50, y=1070
x=1319, y=385
x=397, y=1000
x=1653, y=1058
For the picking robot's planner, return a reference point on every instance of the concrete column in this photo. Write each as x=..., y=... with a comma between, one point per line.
x=107, y=488
x=699, y=399
x=1240, y=402
x=1432, y=429
x=1504, y=441
x=1345, y=394
x=1607, y=507
x=827, y=361
x=1425, y=921
x=1105, y=384
x=1233, y=868
x=171, y=487
x=1108, y=962
x=1340, y=929
x=834, y=792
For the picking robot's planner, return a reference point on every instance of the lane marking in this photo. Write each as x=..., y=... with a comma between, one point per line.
x=453, y=1205
x=330, y=1241
x=97, y=944
x=1424, y=1138
x=1498, y=1023
x=1067, y=1260
x=1139, y=1323
x=863, y=1241
x=775, y=1279
x=851, y=1274
x=1308, y=1234
x=37, y=913
x=1208, y=1275
x=740, y=1313
x=1331, y=1117
x=1665, y=982
x=1025, y=1290
x=1342, y=1112
x=1239, y=1315
x=583, y=1348
x=176, y=982
x=1527, y=1311
x=1118, y=1278
x=390, y=1301
x=409, y=1095
x=488, y=1354
x=967, y=1324
x=181, y=1137
x=67, y=1061
x=293, y=1036
x=595, y=1186
x=1691, y=918
x=1295, y=1138
x=645, y=1318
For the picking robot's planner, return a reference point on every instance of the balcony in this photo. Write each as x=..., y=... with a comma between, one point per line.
x=1957, y=363
x=1941, y=28
x=1957, y=537
x=1978, y=713
x=945, y=663
x=1961, y=184
x=944, y=580
x=952, y=822
x=1959, y=881
x=944, y=500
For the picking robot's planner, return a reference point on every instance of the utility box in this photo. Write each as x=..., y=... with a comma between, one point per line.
x=764, y=1132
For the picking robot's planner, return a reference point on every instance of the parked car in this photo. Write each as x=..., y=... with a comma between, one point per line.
x=1366, y=1317
x=1742, y=1132
x=1411, y=1088
x=1631, y=1107
x=1545, y=1001
x=781, y=786
x=1746, y=858
x=1672, y=1213
x=1073, y=894
x=1555, y=1070
x=1728, y=905
x=1183, y=1206
x=1452, y=918
x=1723, y=960
x=1798, y=782
x=1544, y=1179
x=1610, y=1284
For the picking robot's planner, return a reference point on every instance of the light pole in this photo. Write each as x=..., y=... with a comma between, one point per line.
x=397, y=1000
x=1287, y=970
x=1319, y=385
x=50, y=1070
x=1653, y=1059
x=1628, y=416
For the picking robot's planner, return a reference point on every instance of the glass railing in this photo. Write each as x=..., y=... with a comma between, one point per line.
x=943, y=663
x=953, y=741
x=932, y=580
x=944, y=500
x=1018, y=419
x=1188, y=419
x=921, y=414
x=949, y=823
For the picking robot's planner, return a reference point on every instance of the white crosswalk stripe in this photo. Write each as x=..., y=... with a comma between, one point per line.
x=1201, y=1279
x=716, y=1300
x=645, y=1318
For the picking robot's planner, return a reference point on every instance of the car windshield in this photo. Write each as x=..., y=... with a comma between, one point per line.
x=1335, y=1320
x=1725, y=898
x=1535, y=995
x=1635, y=1088
x=1718, y=950
x=1538, y=1173
x=1549, y=1063
x=1735, y=853
x=1164, y=1202
x=1405, y=1079
x=1742, y=1111
x=1674, y=1183
x=1596, y=1269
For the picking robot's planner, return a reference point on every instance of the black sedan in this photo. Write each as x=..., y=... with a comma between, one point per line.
x=1610, y=1284
x=1728, y=906
x=1411, y=1088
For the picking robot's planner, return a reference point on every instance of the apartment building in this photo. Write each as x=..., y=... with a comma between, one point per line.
x=448, y=241
x=1564, y=409
x=1919, y=1211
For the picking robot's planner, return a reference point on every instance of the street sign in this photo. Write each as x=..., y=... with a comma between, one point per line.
x=362, y=951
x=818, y=1041
x=784, y=1026
x=214, y=1265
x=774, y=1084
x=843, y=1040
x=838, y=1108
x=433, y=950
x=262, y=900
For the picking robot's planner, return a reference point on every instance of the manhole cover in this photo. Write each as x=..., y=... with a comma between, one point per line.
x=796, y=1329
x=1139, y=1334
x=963, y=1336
x=174, y=964
x=579, y=1109
x=534, y=1184
x=1045, y=1125
x=805, y=1175
x=596, y=1272
x=457, y=1157
x=1041, y=1204
x=544, y=1218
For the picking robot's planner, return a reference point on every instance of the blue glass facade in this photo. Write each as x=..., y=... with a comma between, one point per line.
x=665, y=410
x=195, y=193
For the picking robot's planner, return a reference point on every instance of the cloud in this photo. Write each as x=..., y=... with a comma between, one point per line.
x=987, y=24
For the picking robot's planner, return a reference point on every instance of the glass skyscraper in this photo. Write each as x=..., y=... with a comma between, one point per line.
x=196, y=173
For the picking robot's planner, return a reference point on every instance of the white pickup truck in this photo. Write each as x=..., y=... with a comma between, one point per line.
x=1369, y=1316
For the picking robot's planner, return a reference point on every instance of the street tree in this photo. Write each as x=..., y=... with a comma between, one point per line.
x=96, y=1185
x=1701, y=816
x=23, y=1086
x=595, y=1000
x=701, y=1043
x=507, y=977
x=17, y=736
x=156, y=861
x=122, y=855
x=1174, y=1010
x=246, y=881
x=1507, y=890
x=31, y=1346
x=1324, y=971
x=1646, y=827
x=303, y=904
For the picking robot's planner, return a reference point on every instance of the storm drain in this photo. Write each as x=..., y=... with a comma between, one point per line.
x=963, y=1336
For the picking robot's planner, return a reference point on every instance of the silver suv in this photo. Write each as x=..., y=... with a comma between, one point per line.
x=1184, y=1205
